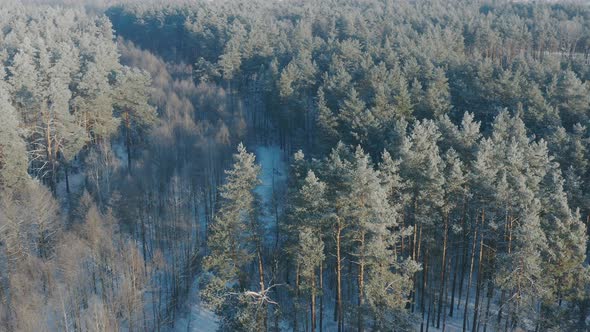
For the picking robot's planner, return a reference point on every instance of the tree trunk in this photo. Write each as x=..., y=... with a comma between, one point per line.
x=313, y=295
x=413, y=291
x=414, y=258
x=296, y=304
x=479, y=276
x=502, y=295
x=446, y=292
x=443, y=271
x=508, y=316
x=429, y=309
x=464, y=244
x=490, y=294
x=67, y=178
x=508, y=230
x=470, y=276
x=321, y=297
x=419, y=240
x=262, y=288
x=452, y=305
x=419, y=244
x=402, y=238
x=424, y=280
x=51, y=153
x=361, y=283
x=339, y=278
x=128, y=140
x=143, y=244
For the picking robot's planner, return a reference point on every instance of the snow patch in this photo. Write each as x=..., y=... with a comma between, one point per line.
x=273, y=177
x=196, y=318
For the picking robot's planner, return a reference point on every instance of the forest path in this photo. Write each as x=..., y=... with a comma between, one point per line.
x=271, y=191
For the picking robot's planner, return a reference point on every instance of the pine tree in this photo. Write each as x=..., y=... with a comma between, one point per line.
x=388, y=283
x=40, y=78
x=389, y=272
x=92, y=103
x=287, y=81
x=131, y=100
x=404, y=107
x=454, y=196
x=309, y=258
x=368, y=212
x=337, y=176
x=356, y=120
x=576, y=150
x=563, y=261
x=24, y=80
x=13, y=152
x=337, y=83
x=520, y=269
x=509, y=170
x=391, y=179
x=231, y=59
x=421, y=167
x=327, y=121
x=438, y=98
x=235, y=241
x=539, y=114
x=311, y=215
x=572, y=99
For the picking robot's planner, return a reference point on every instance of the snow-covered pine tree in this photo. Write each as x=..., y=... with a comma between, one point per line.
x=235, y=242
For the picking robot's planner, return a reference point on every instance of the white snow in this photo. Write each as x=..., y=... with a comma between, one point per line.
x=195, y=317
x=76, y=183
x=273, y=170
x=273, y=176
x=120, y=152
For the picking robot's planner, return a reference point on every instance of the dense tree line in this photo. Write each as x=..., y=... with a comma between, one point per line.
x=481, y=109
x=438, y=165
x=86, y=121
x=65, y=265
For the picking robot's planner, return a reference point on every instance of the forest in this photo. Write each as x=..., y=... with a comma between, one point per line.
x=294, y=165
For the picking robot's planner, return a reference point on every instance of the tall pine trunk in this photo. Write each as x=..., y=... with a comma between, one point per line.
x=128, y=140
x=452, y=304
x=464, y=244
x=424, y=281
x=490, y=294
x=321, y=297
x=479, y=276
x=313, y=309
x=414, y=279
x=361, y=283
x=443, y=271
x=50, y=151
x=508, y=230
x=470, y=277
x=296, y=304
x=67, y=178
x=446, y=302
x=261, y=276
x=339, y=278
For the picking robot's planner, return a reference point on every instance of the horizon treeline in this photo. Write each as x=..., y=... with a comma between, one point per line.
x=438, y=166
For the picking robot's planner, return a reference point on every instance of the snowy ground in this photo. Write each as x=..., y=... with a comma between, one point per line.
x=76, y=184
x=455, y=323
x=274, y=177
x=195, y=318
